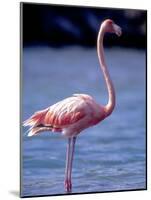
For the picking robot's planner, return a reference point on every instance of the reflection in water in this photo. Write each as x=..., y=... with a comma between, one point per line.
x=109, y=156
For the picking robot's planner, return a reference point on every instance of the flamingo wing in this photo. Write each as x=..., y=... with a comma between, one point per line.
x=65, y=112
x=60, y=115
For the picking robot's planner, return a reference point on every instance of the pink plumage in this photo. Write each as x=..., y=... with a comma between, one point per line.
x=69, y=116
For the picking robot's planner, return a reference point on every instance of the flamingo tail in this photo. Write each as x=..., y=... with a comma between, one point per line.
x=35, y=122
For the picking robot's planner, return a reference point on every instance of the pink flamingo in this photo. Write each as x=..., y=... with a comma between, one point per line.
x=74, y=114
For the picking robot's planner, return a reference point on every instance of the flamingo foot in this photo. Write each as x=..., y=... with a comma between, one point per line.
x=68, y=185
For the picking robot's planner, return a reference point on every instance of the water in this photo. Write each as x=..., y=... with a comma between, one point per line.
x=109, y=156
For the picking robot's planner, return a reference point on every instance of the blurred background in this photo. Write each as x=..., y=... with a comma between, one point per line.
x=66, y=25
x=59, y=59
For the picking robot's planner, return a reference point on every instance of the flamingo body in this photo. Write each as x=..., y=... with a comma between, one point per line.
x=69, y=116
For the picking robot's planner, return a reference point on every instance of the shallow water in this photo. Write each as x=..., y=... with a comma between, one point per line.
x=109, y=156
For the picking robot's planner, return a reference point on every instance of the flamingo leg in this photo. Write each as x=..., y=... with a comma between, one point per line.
x=69, y=161
x=66, y=184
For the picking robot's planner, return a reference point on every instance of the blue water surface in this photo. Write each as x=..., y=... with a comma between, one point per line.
x=109, y=156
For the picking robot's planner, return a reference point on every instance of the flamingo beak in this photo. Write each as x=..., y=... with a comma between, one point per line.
x=117, y=30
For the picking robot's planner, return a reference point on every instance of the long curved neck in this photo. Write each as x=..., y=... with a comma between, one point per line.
x=111, y=92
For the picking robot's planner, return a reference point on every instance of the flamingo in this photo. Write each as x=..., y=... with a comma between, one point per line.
x=78, y=112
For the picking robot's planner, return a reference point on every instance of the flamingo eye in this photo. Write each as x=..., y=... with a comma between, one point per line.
x=110, y=22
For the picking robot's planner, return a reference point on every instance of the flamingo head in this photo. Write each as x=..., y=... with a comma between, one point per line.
x=109, y=26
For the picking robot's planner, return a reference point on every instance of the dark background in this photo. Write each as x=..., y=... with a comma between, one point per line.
x=57, y=26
